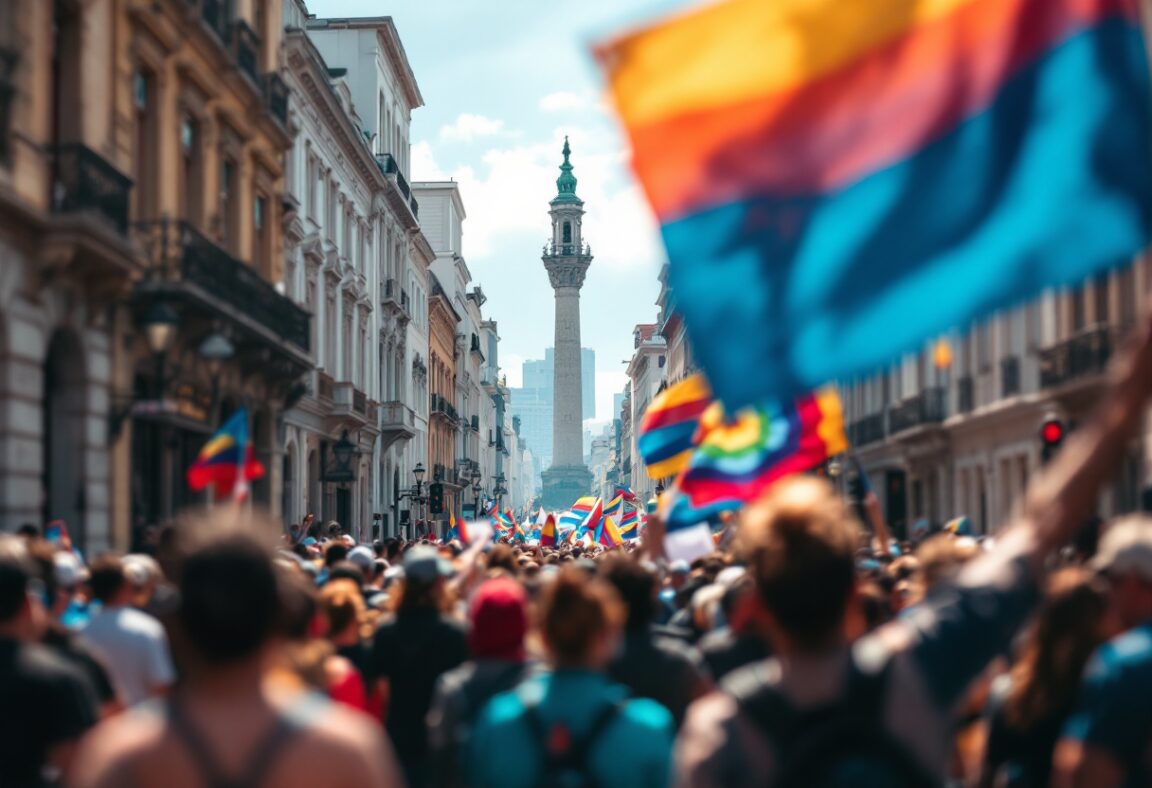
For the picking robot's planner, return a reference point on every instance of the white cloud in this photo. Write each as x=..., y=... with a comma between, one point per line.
x=468, y=127
x=608, y=385
x=563, y=100
x=424, y=166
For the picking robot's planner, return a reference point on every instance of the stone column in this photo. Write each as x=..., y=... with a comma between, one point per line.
x=567, y=433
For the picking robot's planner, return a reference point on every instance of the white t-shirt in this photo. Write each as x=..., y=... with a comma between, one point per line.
x=134, y=650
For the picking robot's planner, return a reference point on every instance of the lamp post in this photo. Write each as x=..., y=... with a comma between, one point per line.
x=414, y=493
x=160, y=326
x=499, y=491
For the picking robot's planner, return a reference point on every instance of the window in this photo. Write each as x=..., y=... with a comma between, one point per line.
x=259, y=232
x=567, y=232
x=144, y=135
x=1100, y=291
x=229, y=225
x=191, y=174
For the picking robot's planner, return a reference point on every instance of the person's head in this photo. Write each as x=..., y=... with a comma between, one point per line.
x=581, y=618
x=28, y=531
x=678, y=572
x=346, y=570
x=800, y=540
x=230, y=602
x=332, y=529
x=364, y=560
x=343, y=609
x=941, y=556
x=636, y=585
x=108, y=582
x=502, y=557
x=334, y=553
x=22, y=591
x=1124, y=559
x=1067, y=629
x=425, y=571
x=498, y=620
x=143, y=575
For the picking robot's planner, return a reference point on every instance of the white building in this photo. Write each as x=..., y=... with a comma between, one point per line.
x=355, y=258
x=958, y=433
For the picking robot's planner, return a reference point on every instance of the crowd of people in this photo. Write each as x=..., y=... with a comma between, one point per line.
x=807, y=650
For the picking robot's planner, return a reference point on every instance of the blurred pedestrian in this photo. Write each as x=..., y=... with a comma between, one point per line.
x=574, y=725
x=226, y=725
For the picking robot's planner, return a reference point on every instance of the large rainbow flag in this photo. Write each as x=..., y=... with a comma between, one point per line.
x=226, y=461
x=838, y=181
x=667, y=433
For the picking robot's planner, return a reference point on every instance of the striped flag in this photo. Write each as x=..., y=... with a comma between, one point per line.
x=668, y=428
x=839, y=182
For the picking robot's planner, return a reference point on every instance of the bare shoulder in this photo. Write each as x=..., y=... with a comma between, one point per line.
x=106, y=753
x=353, y=740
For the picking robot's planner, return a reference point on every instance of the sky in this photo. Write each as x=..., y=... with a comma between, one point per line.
x=503, y=82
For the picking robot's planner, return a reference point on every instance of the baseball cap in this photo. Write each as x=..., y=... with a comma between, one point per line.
x=1126, y=548
x=68, y=572
x=363, y=557
x=423, y=564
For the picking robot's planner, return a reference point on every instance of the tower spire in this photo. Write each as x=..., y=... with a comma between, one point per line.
x=566, y=183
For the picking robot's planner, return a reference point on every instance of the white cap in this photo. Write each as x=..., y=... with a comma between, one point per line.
x=1126, y=548
x=68, y=571
x=363, y=557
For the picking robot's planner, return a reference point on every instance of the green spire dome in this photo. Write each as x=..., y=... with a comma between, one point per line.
x=566, y=183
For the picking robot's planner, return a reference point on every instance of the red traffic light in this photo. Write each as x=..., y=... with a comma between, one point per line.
x=1052, y=433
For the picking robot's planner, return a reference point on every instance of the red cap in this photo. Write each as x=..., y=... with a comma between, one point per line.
x=498, y=617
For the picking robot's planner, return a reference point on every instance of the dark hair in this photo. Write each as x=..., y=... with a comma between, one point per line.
x=502, y=557
x=17, y=570
x=391, y=548
x=346, y=570
x=335, y=552
x=636, y=585
x=229, y=598
x=575, y=610
x=28, y=530
x=297, y=605
x=106, y=577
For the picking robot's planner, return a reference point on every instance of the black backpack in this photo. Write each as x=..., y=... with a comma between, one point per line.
x=566, y=758
x=842, y=743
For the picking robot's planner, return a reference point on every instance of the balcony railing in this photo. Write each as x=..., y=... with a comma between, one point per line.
x=246, y=50
x=276, y=97
x=389, y=166
x=927, y=407
x=565, y=249
x=441, y=405
x=86, y=183
x=359, y=401
x=1010, y=376
x=177, y=253
x=325, y=386
x=869, y=429
x=217, y=15
x=1082, y=355
x=965, y=394
x=475, y=423
x=395, y=415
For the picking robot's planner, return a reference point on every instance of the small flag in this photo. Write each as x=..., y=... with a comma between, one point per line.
x=626, y=492
x=548, y=532
x=572, y=518
x=608, y=534
x=591, y=521
x=226, y=461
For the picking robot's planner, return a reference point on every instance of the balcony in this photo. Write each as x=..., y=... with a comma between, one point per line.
x=389, y=166
x=869, y=429
x=925, y=408
x=87, y=184
x=182, y=262
x=475, y=423
x=553, y=249
x=215, y=14
x=1009, y=376
x=397, y=422
x=965, y=394
x=349, y=408
x=276, y=97
x=325, y=386
x=1081, y=356
x=440, y=406
x=475, y=348
x=390, y=300
x=246, y=50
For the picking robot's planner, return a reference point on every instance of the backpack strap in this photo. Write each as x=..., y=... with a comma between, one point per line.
x=284, y=727
x=570, y=755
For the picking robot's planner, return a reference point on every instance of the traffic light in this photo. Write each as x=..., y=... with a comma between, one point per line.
x=1052, y=433
x=436, y=498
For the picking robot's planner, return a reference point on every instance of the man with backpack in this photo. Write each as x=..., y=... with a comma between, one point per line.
x=879, y=712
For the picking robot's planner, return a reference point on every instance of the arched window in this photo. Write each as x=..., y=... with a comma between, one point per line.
x=567, y=233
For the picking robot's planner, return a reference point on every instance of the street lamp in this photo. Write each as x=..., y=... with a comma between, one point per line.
x=215, y=350
x=160, y=326
x=342, y=450
x=418, y=472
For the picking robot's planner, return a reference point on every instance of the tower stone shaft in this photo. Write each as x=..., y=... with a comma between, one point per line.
x=566, y=258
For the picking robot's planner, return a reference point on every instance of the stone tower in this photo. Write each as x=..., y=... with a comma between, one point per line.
x=566, y=258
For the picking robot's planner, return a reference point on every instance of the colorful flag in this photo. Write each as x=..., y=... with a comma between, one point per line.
x=548, y=532
x=837, y=182
x=739, y=457
x=630, y=524
x=226, y=461
x=668, y=428
x=591, y=521
x=572, y=518
x=626, y=491
x=615, y=508
x=608, y=534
